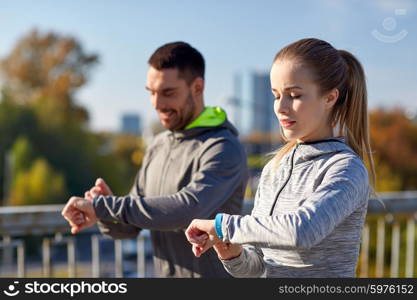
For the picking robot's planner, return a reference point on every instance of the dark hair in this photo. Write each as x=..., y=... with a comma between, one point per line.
x=339, y=69
x=181, y=56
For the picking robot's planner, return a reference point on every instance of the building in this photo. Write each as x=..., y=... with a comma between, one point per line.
x=252, y=112
x=263, y=116
x=131, y=124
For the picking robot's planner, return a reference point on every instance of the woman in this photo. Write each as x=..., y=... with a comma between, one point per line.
x=312, y=197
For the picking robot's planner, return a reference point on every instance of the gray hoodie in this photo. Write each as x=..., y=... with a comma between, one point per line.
x=307, y=217
x=185, y=175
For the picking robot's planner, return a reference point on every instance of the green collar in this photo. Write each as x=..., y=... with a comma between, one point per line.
x=210, y=117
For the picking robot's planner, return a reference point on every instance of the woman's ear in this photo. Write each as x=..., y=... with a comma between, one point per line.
x=331, y=98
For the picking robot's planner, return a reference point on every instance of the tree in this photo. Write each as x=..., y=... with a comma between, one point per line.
x=394, y=144
x=21, y=156
x=52, y=154
x=15, y=121
x=118, y=159
x=45, y=70
x=39, y=185
x=41, y=76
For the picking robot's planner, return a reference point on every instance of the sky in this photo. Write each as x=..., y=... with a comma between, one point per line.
x=234, y=36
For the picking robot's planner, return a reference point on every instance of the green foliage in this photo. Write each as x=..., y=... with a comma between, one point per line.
x=21, y=156
x=38, y=185
x=257, y=161
x=69, y=149
x=15, y=121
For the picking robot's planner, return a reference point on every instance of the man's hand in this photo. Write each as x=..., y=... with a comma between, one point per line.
x=100, y=188
x=80, y=214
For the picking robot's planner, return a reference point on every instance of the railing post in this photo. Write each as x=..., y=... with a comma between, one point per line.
x=8, y=245
x=395, y=249
x=7, y=251
x=118, y=259
x=46, y=257
x=71, y=257
x=95, y=253
x=140, y=249
x=21, y=260
x=365, y=251
x=409, y=266
x=380, y=247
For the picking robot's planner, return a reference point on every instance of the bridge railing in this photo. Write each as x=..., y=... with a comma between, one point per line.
x=387, y=247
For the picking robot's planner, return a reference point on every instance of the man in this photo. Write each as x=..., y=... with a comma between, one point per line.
x=195, y=169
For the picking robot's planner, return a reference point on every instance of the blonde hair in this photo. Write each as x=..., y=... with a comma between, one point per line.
x=336, y=69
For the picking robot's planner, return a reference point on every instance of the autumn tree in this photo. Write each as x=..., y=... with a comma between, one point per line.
x=394, y=143
x=40, y=78
x=45, y=70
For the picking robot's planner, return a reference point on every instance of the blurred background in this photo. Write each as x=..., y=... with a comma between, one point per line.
x=73, y=107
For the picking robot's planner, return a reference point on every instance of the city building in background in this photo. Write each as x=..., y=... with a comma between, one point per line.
x=263, y=117
x=251, y=109
x=236, y=104
x=131, y=124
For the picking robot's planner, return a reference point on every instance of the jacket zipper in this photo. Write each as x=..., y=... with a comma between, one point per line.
x=166, y=163
x=286, y=182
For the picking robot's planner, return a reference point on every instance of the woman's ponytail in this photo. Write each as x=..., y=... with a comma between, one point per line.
x=337, y=69
x=352, y=114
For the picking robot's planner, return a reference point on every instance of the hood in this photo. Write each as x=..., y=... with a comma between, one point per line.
x=211, y=117
x=309, y=150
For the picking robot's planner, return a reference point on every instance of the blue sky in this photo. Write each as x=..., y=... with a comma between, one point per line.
x=234, y=36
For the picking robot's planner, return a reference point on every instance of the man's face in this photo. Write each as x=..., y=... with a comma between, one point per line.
x=171, y=97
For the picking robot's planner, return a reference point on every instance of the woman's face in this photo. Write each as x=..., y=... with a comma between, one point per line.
x=300, y=108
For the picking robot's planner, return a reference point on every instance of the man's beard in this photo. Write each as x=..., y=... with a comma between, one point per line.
x=186, y=115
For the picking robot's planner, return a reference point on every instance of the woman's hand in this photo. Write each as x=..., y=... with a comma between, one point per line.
x=227, y=251
x=202, y=235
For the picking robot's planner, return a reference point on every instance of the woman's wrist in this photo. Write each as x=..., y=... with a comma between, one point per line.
x=227, y=251
x=218, y=226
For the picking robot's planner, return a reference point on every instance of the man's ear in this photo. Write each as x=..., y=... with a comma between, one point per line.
x=198, y=86
x=331, y=98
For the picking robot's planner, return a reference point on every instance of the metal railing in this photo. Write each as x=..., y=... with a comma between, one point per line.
x=387, y=247
x=389, y=237
x=45, y=222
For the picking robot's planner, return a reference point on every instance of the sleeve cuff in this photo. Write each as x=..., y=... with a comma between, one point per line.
x=235, y=261
x=100, y=205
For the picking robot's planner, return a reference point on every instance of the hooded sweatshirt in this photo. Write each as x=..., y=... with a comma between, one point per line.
x=188, y=174
x=308, y=215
